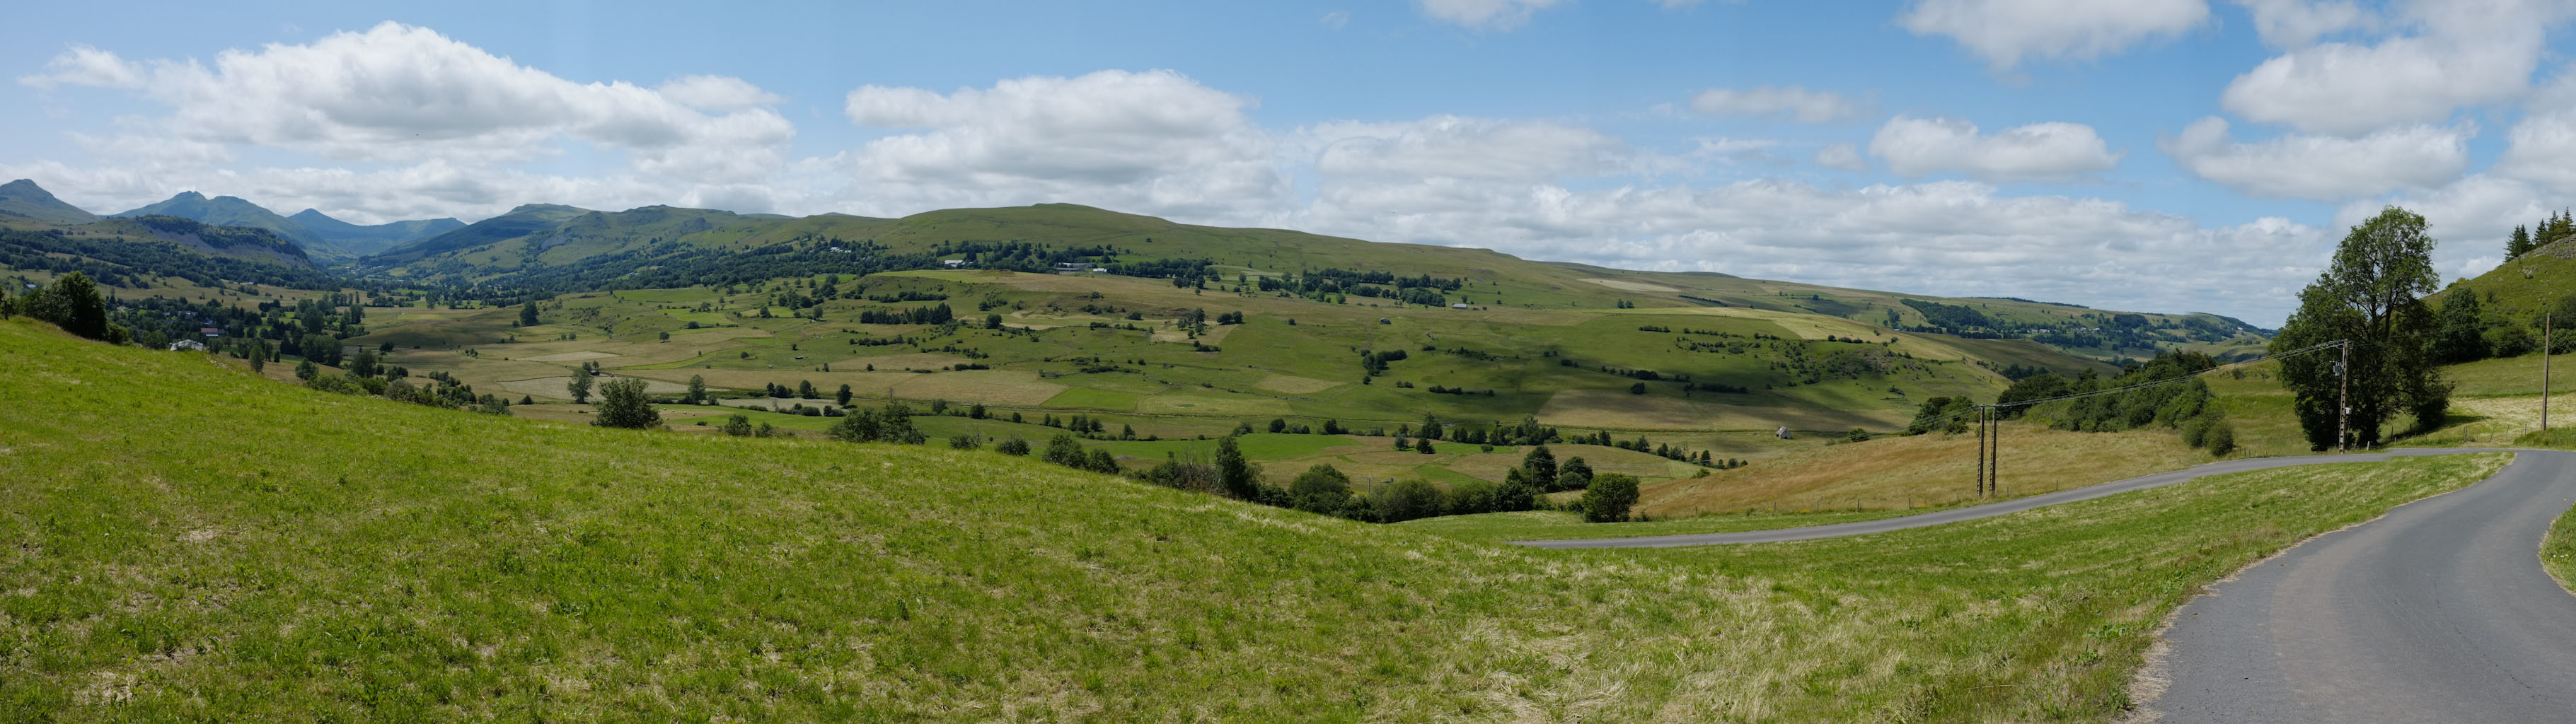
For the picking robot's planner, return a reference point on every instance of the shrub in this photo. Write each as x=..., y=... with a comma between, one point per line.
x=964, y=442
x=738, y=425
x=1013, y=446
x=1405, y=500
x=1608, y=499
x=1064, y=450
x=2222, y=438
x=1471, y=497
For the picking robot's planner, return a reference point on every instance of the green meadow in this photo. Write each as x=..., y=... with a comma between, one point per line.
x=317, y=567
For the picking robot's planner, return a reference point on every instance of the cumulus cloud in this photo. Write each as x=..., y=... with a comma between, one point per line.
x=403, y=93
x=716, y=93
x=2055, y=150
x=1791, y=102
x=1843, y=156
x=1484, y=14
x=2005, y=32
x=1944, y=237
x=2470, y=217
x=1470, y=148
x=1154, y=141
x=2324, y=168
x=2458, y=54
x=2295, y=23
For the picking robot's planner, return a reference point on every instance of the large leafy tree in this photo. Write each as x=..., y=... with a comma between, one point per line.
x=622, y=404
x=73, y=303
x=2370, y=294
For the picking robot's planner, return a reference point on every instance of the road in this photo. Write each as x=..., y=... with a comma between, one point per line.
x=1989, y=510
x=2438, y=612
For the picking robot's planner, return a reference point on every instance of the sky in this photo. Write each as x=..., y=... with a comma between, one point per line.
x=2152, y=155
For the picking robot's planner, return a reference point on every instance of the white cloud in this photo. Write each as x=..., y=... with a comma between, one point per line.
x=1336, y=19
x=1484, y=14
x=2469, y=217
x=2461, y=54
x=1782, y=102
x=1469, y=148
x=402, y=93
x=85, y=65
x=2325, y=168
x=1843, y=156
x=716, y=93
x=2055, y=150
x=2295, y=23
x=1946, y=237
x=1155, y=142
x=2005, y=32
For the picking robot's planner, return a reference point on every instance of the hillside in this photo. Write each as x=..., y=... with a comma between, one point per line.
x=24, y=198
x=477, y=567
x=158, y=255
x=556, y=249
x=352, y=240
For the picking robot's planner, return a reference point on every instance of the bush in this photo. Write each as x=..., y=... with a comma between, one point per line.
x=738, y=425
x=1321, y=489
x=964, y=442
x=1471, y=497
x=1013, y=446
x=1609, y=498
x=1405, y=500
x=2222, y=438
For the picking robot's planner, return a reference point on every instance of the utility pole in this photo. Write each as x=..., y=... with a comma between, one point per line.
x=2544, y=372
x=2343, y=397
x=1982, y=411
x=1995, y=470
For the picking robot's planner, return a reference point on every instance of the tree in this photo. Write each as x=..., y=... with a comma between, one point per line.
x=1424, y=446
x=305, y=370
x=1575, y=474
x=622, y=404
x=1608, y=499
x=2369, y=294
x=1234, y=474
x=843, y=396
x=1405, y=500
x=73, y=303
x=1541, y=465
x=579, y=386
x=1013, y=446
x=859, y=426
x=2518, y=243
x=322, y=349
x=1637, y=389
x=1321, y=489
x=2461, y=338
x=697, y=390
x=528, y=315
x=1515, y=494
x=1064, y=450
x=363, y=365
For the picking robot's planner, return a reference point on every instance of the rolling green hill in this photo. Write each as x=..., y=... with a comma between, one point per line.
x=24, y=198
x=550, y=246
x=405, y=562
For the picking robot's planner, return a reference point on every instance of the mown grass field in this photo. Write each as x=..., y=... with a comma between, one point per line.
x=355, y=558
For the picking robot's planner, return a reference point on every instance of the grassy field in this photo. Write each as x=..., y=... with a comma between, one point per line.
x=479, y=567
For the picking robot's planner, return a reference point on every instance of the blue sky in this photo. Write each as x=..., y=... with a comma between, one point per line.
x=2168, y=155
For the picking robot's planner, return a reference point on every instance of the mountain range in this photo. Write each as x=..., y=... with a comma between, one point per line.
x=326, y=240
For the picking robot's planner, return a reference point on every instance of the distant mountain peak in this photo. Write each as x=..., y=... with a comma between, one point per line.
x=24, y=198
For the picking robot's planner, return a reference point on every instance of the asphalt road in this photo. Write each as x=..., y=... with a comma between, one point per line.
x=1954, y=515
x=2438, y=612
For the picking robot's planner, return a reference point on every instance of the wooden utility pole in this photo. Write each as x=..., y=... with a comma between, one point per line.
x=2343, y=398
x=1995, y=470
x=2544, y=372
x=1981, y=450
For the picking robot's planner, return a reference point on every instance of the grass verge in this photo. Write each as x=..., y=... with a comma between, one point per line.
x=180, y=541
x=2558, y=550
